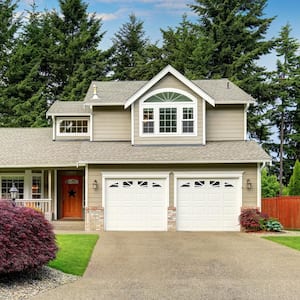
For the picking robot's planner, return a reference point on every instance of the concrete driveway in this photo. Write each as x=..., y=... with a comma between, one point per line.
x=180, y=265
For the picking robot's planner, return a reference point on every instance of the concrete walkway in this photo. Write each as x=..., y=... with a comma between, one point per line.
x=166, y=265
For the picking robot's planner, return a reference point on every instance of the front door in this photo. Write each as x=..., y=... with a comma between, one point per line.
x=72, y=196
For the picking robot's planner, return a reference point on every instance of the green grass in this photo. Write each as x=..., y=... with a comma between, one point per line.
x=289, y=241
x=74, y=252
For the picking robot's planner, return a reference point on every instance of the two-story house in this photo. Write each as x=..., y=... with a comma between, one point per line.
x=164, y=154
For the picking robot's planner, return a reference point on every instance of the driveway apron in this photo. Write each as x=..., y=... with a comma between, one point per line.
x=185, y=265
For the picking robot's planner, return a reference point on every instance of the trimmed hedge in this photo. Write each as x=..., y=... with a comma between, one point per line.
x=27, y=240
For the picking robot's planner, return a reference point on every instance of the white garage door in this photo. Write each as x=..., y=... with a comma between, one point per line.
x=208, y=204
x=135, y=204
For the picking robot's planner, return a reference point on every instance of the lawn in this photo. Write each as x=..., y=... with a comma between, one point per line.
x=74, y=252
x=290, y=241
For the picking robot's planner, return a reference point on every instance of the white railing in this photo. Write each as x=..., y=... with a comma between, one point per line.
x=42, y=205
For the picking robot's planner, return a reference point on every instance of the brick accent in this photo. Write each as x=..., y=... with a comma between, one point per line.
x=171, y=218
x=94, y=219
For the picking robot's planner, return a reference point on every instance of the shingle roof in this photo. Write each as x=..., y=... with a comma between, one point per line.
x=223, y=91
x=33, y=147
x=68, y=108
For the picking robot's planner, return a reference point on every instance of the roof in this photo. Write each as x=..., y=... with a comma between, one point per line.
x=65, y=108
x=33, y=147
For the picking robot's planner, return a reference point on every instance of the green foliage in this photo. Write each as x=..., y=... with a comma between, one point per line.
x=128, y=43
x=74, y=252
x=269, y=184
x=294, y=184
x=271, y=224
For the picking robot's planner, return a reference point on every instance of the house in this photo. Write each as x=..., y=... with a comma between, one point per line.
x=165, y=154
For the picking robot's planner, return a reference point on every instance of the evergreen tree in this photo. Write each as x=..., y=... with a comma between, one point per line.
x=286, y=91
x=294, y=184
x=232, y=40
x=128, y=43
x=269, y=184
x=9, y=25
x=75, y=58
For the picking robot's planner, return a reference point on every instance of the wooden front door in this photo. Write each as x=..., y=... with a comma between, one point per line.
x=72, y=196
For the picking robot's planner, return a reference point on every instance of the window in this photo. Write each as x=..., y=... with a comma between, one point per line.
x=36, y=187
x=168, y=113
x=7, y=183
x=167, y=120
x=77, y=127
x=188, y=120
x=148, y=120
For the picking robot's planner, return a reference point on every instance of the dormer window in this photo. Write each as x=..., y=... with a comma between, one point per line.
x=171, y=112
x=73, y=127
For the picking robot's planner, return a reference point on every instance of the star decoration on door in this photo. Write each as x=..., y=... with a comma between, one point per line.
x=72, y=193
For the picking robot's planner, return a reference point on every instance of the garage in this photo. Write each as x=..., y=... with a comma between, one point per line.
x=135, y=204
x=208, y=203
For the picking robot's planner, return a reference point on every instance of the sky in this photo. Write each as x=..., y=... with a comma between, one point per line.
x=161, y=14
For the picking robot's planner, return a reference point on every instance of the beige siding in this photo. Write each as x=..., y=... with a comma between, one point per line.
x=224, y=122
x=169, y=82
x=111, y=124
x=249, y=172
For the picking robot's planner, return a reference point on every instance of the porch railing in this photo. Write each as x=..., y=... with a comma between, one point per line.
x=42, y=205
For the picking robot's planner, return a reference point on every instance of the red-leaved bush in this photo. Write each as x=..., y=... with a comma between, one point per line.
x=251, y=219
x=27, y=240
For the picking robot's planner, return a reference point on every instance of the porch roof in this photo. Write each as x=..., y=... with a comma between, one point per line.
x=33, y=147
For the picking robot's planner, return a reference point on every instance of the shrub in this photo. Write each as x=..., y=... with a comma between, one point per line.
x=27, y=240
x=273, y=225
x=251, y=219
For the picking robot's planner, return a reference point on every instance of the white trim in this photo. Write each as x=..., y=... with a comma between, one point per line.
x=73, y=134
x=55, y=194
x=210, y=174
x=49, y=184
x=245, y=121
x=91, y=105
x=66, y=114
x=132, y=124
x=179, y=76
x=53, y=128
x=179, y=112
x=258, y=185
x=204, y=122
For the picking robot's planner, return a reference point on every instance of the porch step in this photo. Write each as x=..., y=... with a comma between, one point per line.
x=68, y=225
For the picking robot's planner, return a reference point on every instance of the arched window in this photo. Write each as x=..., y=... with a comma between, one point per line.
x=168, y=112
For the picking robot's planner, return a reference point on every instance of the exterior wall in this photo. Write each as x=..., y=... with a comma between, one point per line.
x=169, y=82
x=95, y=204
x=224, y=122
x=111, y=124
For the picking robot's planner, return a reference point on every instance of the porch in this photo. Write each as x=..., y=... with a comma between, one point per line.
x=41, y=205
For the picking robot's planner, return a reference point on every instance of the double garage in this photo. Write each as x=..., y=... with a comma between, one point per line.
x=207, y=201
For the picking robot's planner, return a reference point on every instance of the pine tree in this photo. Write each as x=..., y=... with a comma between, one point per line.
x=232, y=39
x=8, y=28
x=75, y=57
x=294, y=183
x=128, y=43
x=286, y=92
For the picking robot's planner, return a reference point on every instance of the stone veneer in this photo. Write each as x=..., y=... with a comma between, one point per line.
x=94, y=219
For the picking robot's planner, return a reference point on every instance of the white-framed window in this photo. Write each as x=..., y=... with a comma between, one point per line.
x=72, y=127
x=36, y=187
x=6, y=184
x=168, y=112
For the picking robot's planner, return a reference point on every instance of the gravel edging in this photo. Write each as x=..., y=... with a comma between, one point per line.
x=24, y=285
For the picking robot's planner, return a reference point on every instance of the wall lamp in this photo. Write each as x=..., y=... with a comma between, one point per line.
x=249, y=184
x=95, y=184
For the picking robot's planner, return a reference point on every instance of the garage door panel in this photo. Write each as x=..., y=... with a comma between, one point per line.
x=135, y=204
x=207, y=204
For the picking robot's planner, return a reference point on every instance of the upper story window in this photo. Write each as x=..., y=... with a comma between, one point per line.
x=168, y=113
x=73, y=127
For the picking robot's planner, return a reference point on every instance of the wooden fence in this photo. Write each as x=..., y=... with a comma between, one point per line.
x=285, y=208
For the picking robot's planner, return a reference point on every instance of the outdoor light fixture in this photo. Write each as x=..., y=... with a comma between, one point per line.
x=249, y=184
x=95, y=184
x=13, y=193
